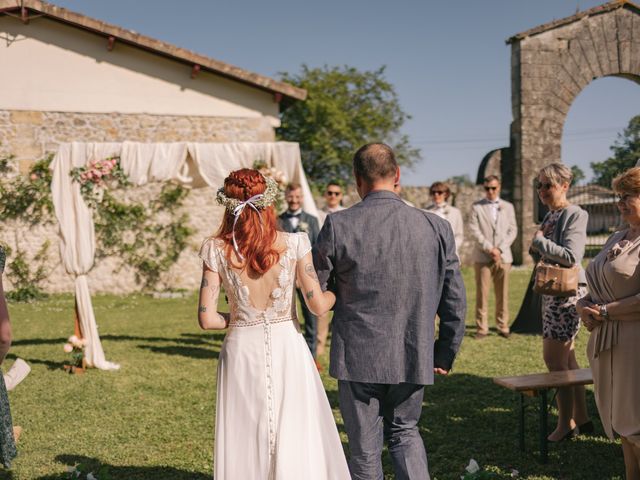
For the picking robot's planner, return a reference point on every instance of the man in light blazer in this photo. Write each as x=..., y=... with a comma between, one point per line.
x=393, y=268
x=493, y=227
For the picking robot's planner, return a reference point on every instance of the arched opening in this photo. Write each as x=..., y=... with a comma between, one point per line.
x=599, y=114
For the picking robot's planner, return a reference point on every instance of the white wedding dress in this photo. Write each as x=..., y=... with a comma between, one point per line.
x=273, y=419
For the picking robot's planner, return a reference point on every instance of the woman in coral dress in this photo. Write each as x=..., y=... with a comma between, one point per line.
x=273, y=419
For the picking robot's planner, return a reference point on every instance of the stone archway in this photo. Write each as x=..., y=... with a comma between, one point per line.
x=550, y=66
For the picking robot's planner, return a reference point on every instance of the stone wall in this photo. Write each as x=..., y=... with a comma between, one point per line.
x=550, y=66
x=31, y=135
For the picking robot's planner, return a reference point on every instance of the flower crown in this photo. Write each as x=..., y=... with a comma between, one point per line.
x=267, y=198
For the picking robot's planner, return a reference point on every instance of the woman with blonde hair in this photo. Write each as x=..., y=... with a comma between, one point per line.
x=273, y=419
x=561, y=240
x=611, y=312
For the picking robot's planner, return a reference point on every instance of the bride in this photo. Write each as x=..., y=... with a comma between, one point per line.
x=273, y=419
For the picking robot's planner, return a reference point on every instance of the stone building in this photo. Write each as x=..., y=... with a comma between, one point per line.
x=66, y=77
x=550, y=65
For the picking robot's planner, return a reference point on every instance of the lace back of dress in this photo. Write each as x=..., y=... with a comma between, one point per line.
x=271, y=292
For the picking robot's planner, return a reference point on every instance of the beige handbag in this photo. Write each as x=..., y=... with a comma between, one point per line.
x=555, y=280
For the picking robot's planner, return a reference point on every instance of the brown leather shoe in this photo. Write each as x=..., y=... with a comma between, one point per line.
x=504, y=334
x=479, y=336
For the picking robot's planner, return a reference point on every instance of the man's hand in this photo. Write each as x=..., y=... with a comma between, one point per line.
x=496, y=255
x=440, y=371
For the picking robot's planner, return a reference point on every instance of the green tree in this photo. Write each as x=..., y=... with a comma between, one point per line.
x=578, y=174
x=626, y=152
x=345, y=109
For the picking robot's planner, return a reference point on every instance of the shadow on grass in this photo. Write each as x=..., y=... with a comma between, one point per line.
x=36, y=361
x=466, y=416
x=191, y=352
x=124, y=472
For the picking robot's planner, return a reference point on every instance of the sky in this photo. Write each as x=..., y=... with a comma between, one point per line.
x=448, y=61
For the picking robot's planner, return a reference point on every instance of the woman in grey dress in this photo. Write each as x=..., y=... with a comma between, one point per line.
x=7, y=443
x=611, y=312
x=561, y=239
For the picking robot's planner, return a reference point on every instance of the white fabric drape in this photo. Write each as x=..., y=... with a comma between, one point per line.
x=194, y=164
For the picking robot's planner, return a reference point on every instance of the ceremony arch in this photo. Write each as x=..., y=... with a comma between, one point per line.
x=550, y=65
x=191, y=164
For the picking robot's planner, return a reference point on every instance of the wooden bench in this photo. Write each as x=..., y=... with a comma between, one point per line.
x=537, y=385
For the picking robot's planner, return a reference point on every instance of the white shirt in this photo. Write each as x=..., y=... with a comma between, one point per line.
x=294, y=221
x=495, y=208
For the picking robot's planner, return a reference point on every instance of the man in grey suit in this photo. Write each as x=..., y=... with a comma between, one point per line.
x=393, y=268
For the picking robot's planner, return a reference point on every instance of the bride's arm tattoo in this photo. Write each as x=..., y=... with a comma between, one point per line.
x=311, y=272
x=204, y=284
x=310, y=294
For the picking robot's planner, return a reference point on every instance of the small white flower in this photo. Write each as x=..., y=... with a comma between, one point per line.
x=90, y=476
x=473, y=466
x=71, y=469
x=73, y=340
x=515, y=473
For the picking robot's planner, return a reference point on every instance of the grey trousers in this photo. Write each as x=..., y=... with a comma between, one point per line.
x=374, y=413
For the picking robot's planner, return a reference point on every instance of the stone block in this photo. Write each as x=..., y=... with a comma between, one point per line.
x=26, y=117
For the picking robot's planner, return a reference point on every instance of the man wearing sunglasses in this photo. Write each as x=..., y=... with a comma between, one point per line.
x=493, y=227
x=333, y=199
x=440, y=193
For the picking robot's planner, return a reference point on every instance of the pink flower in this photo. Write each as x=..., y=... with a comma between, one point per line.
x=97, y=174
x=33, y=176
x=68, y=348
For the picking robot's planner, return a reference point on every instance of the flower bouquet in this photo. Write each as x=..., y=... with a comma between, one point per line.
x=75, y=348
x=98, y=175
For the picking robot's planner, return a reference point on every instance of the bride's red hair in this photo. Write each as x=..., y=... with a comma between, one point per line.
x=255, y=233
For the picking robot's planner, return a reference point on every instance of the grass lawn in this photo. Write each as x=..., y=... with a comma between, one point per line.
x=154, y=418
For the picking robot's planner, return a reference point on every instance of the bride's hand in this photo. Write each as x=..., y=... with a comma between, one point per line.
x=440, y=371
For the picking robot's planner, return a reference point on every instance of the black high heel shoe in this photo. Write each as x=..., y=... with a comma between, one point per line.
x=570, y=434
x=585, y=428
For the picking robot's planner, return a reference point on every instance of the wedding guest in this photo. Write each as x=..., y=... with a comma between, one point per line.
x=295, y=220
x=440, y=194
x=333, y=198
x=611, y=312
x=333, y=201
x=7, y=440
x=493, y=228
x=561, y=239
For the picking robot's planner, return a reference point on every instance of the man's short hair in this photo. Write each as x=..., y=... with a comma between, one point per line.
x=293, y=186
x=490, y=178
x=374, y=161
x=333, y=183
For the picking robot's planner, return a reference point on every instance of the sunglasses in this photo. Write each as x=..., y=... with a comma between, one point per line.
x=624, y=197
x=489, y=189
x=437, y=192
x=543, y=186
x=332, y=194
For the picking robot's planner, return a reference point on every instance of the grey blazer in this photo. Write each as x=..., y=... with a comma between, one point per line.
x=393, y=268
x=566, y=246
x=488, y=234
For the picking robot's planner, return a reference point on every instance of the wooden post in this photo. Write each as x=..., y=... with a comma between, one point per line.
x=77, y=328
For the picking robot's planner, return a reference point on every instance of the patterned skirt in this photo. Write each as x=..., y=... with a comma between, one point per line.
x=560, y=319
x=7, y=444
